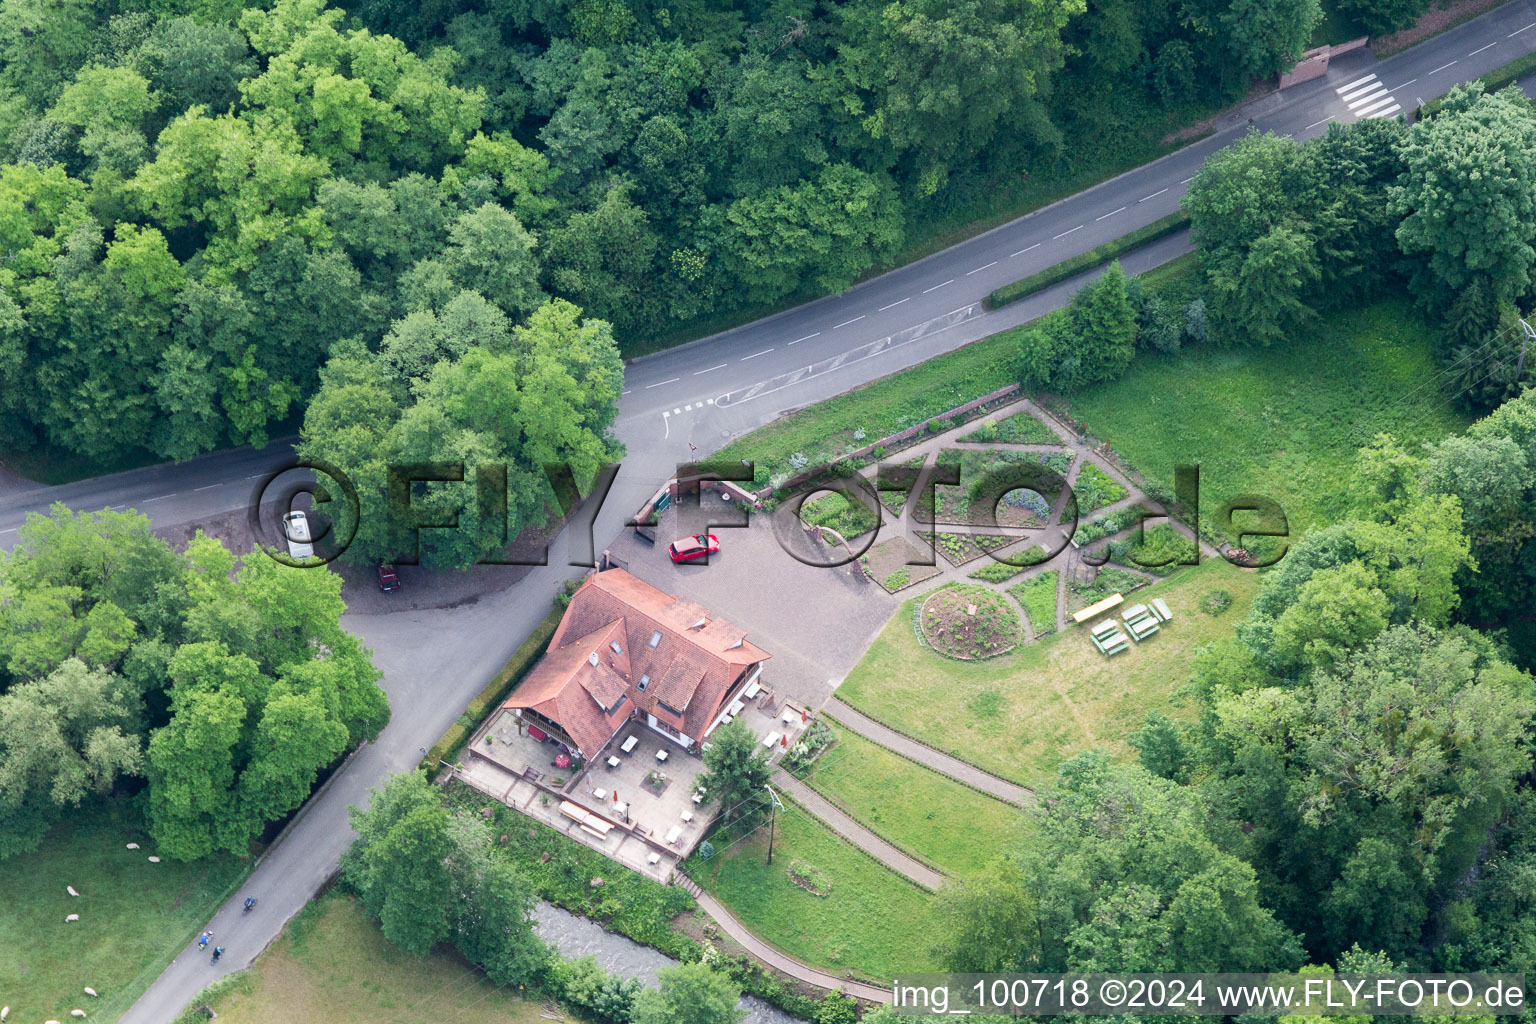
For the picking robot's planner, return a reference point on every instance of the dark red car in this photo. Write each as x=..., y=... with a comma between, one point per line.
x=387, y=579
x=698, y=546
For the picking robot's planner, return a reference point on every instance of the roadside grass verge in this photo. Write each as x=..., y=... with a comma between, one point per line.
x=134, y=916
x=332, y=965
x=1095, y=257
x=870, y=924
x=1286, y=421
x=931, y=816
x=1056, y=697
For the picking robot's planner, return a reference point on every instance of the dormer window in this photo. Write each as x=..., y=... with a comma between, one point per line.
x=655, y=640
x=645, y=680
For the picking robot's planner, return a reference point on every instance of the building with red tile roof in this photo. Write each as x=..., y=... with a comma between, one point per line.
x=627, y=651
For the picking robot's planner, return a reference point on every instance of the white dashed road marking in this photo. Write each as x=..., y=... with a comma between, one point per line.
x=754, y=355
x=1314, y=124
x=978, y=270
x=893, y=305
x=808, y=337
x=1442, y=67
x=845, y=323
x=1108, y=215
x=162, y=497
x=938, y=286
x=1154, y=195
x=720, y=367
x=1519, y=30
x=1021, y=252
x=1480, y=49
x=1067, y=232
x=209, y=487
x=1187, y=180
x=659, y=383
x=11, y=530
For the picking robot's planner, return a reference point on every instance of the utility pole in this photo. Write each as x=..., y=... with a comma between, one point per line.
x=772, y=806
x=1530, y=334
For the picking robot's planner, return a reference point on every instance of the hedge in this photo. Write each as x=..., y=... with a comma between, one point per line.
x=1493, y=81
x=1087, y=261
x=495, y=691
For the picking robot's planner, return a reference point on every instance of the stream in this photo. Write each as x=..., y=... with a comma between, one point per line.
x=576, y=936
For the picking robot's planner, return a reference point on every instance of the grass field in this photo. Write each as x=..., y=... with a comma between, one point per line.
x=872, y=922
x=933, y=817
x=332, y=965
x=134, y=916
x=1283, y=422
x=1054, y=698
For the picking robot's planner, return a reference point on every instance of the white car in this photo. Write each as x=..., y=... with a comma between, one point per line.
x=296, y=530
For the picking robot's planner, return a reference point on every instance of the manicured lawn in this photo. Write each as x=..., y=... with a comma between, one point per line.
x=332, y=965
x=1038, y=596
x=1285, y=422
x=1055, y=697
x=872, y=922
x=931, y=816
x=134, y=916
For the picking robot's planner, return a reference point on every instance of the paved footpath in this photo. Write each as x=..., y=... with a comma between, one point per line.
x=833, y=817
x=773, y=958
x=1009, y=792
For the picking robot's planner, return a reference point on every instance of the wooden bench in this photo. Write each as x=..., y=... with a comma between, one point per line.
x=1098, y=608
x=1161, y=607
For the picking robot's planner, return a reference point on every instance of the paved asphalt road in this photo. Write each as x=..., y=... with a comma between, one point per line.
x=434, y=661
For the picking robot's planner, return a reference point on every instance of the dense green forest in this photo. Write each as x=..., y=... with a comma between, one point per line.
x=209, y=690
x=201, y=202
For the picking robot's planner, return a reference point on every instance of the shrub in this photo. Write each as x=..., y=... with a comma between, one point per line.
x=896, y=580
x=1216, y=602
x=1196, y=328
x=938, y=426
x=997, y=572
x=837, y=1008
x=1162, y=325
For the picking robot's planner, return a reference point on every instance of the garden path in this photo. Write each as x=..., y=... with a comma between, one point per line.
x=834, y=818
x=944, y=764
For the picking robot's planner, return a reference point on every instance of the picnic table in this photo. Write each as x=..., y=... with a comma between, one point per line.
x=1161, y=608
x=613, y=762
x=661, y=755
x=770, y=739
x=673, y=833
x=752, y=688
x=629, y=744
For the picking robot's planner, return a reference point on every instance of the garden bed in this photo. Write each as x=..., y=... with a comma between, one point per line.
x=1020, y=428
x=1028, y=505
x=810, y=878
x=959, y=548
x=1096, y=489
x=1104, y=583
x=970, y=623
x=851, y=519
x=886, y=564
x=1037, y=595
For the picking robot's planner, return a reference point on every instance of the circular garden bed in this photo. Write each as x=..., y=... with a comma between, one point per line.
x=970, y=622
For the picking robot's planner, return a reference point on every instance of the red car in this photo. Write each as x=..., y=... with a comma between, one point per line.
x=387, y=579
x=698, y=546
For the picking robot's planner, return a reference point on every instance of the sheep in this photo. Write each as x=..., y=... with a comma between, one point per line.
x=90, y=991
x=71, y=890
x=153, y=859
x=5, y=1011
x=77, y=1013
x=72, y=917
x=133, y=846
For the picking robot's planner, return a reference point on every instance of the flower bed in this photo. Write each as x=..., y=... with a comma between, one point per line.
x=1095, y=489
x=970, y=622
x=1020, y=428
x=812, y=879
